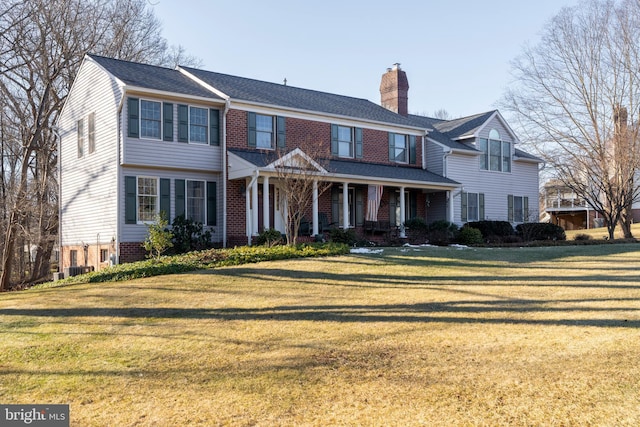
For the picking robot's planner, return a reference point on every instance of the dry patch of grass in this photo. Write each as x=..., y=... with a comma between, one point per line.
x=429, y=336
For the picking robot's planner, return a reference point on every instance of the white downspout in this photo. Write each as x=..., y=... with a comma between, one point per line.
x=56, y=132
x=119, y=132
x=227, y=105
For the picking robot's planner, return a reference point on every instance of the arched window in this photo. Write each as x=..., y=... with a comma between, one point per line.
x=496, y=153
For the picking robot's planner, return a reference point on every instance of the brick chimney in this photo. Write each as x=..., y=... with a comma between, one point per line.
x=394, y=89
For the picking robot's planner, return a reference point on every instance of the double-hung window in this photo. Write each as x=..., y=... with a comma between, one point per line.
x=400, y=148
x=346, y=141
x=150, y=119
x=472, y=208
x=147, y=199
x=196, y=201
x=265, y=136
x=496, y=154
x=266, y=132
x=518, y=208
x=198, y=125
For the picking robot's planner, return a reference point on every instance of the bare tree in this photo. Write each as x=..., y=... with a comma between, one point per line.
x=298, y=171
x=42, y=44
x=570, y=90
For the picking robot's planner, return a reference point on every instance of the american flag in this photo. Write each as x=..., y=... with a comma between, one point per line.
x=374, y=197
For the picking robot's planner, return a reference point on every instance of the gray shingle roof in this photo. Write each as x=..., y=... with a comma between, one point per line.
x=447, y=131
x=345, y=167
x=153, y=77
x=244, y=89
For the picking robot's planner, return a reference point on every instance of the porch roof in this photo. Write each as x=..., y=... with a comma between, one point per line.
x=357, y=172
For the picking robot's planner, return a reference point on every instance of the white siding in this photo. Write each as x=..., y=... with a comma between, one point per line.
x=435, y=153
x=88, y=191
x=138, y=232
x=177, y=155
x=496, y=186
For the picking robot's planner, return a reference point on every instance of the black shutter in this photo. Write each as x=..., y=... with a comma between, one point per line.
x=212, y=202
x=130, y=193
x=214, y=127
x=510, y=208
x=251, y=127
x=165, y=198
x=180, y=199
x=358, y=142
x=183, y=123
x=281, y=135
x=359, y=207
x=463, y=208
x=334, y=140
x=167, y=127
x=481, y=206
x=412, y=149
x=133, y=123
x=392, y=147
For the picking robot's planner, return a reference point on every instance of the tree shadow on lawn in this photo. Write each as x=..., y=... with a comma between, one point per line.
x=426, y=281
x=459, y=311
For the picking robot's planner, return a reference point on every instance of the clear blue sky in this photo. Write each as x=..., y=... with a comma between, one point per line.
x=456, y=53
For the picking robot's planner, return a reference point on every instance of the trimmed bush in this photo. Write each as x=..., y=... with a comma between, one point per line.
x=582, y=237
x=493, y=231
x=269, y=237
x=441, y=233
x=340, y=235
x=531, y=231
x=470, y=236
x=417, y=230
x=189, y=235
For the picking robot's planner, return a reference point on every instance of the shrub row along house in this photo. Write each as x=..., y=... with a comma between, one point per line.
x=137, y=139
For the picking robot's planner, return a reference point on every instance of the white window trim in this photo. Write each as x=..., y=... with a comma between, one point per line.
x=206, y=125
x=140, y=120
x=352, y=147
x=157, y=195
x=406, y=149
x=487, y=156
x=274, y=132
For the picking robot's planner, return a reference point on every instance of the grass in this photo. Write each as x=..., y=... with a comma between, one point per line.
x=601, y=233
x=428, y=336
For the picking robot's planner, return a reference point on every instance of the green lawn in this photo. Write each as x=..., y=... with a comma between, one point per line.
x=410, y=336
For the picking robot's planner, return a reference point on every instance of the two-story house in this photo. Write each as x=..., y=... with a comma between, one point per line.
x=137, y=140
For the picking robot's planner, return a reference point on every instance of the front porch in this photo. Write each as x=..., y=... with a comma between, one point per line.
x=373, y=200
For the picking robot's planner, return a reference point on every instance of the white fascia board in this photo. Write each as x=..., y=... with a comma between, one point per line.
x=174, y=95
x=239, y=167
x=455, y=150
x=268, y=109
x=496, y=114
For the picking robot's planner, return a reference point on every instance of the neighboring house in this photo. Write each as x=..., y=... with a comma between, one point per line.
x=137, y=140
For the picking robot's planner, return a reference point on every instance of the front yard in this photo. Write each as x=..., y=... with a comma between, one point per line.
x=409, y=336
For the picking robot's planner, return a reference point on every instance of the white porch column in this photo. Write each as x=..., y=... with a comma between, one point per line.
x=254, y=205
x=450, y=206
x=402, y=213
x=265, y=203
x=247, y=201
x=345, y=205
x=314, y=213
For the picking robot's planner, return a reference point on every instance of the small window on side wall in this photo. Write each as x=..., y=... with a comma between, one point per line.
x=80, y=128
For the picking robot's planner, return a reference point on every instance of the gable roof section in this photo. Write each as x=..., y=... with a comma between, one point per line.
x=279, y=95
x=152, y=77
